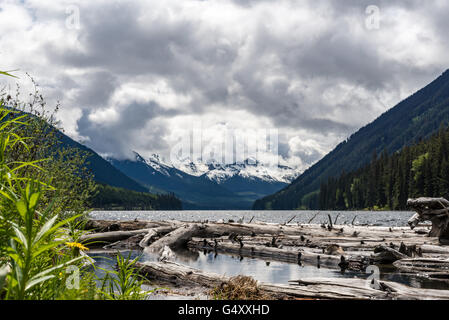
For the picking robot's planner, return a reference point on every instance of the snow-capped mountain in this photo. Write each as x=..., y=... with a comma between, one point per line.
x=195, y=169
x=155, y=162
x=208, y=186
x=248, y=170
x=252, y=171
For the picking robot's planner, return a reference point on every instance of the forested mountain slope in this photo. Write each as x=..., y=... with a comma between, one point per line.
x=420, y=170
x=415, y=118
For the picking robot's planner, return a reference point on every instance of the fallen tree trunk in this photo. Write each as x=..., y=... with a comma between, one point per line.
x=129, y=243
x=435, y=210
x=154, y=233
x=181, y=275
x=426, y=248
x=422, y=265
x=386, y=255
x=112, y=225
x=177, y=274
x=175, y=239
x=386, y=289
x=359, y=289
x=100, y=239
x=211, y=230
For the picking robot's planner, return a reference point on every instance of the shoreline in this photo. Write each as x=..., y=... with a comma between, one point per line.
x=360, y=247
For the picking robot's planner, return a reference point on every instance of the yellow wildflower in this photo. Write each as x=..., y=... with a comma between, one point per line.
x=76, y=245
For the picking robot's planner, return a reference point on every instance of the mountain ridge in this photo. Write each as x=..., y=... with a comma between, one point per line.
x=201, y=188
x=102, y=170
x=416, y=117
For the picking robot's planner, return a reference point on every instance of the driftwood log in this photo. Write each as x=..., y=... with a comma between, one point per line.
x=386, y=255
x=423, y=265
x=103, y=238
x=112, y=232
x=154, y=234
x=277, y=242
x=435, y=210
x=175, y=239
x=339, y=247
x=386, y=290
x=359, y=289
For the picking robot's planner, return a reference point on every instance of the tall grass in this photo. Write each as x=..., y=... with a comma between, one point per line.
x=40, y=211
x=124, y=283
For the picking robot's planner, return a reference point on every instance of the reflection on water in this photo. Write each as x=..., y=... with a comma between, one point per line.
x=264, y=270
x=381, y=218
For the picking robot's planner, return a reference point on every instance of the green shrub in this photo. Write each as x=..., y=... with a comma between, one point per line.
x=44, y=193
x=124, y=283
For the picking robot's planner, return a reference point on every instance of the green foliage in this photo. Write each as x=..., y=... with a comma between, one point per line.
x=30, y=230
x=309, y=200
x=43, y=196
x=34, y=237
x=66, y=172
x=125, y=283
x=389, y=180
x=6, y=73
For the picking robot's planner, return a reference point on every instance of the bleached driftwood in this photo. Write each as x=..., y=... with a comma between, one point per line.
x=359, y=289
x=386, y=255
x=154, y=234
x=342, y=246
x=100, y=239
x=379, y=290
x=277, y=242
x=175, y=239
x=423, y=265
x=435, y=210
x=112, y=225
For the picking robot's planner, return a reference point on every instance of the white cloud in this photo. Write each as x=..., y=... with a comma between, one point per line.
x=137, y=74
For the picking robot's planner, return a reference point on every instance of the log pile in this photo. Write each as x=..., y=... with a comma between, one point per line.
x=358, y=289
x=345, y=247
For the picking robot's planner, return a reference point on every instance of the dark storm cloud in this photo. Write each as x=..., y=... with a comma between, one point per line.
x=309, y=66
x=96, y=89
x=192, y=61
x=136, y=125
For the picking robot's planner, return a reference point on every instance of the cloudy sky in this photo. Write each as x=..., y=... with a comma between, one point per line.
x=139, y=75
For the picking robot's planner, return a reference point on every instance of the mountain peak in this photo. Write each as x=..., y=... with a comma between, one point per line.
x=250, y=169
x=138, y=157
x=417, y=117
x=218, y=172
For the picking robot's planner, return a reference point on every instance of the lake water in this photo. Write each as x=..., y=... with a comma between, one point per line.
x=378, y=218
x=263, y=270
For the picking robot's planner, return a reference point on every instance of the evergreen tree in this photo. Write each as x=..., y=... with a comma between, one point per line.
x=388, y=181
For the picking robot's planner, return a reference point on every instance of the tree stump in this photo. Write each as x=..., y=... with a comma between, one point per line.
x=435, y=210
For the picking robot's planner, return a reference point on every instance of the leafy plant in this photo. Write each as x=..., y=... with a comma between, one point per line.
x=31, y=230
x=33, y=238
x=125, y=283
x=44, y=193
